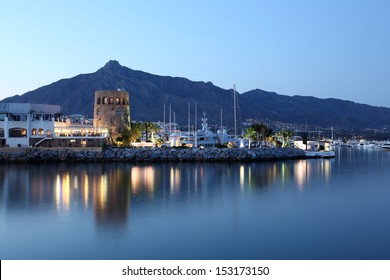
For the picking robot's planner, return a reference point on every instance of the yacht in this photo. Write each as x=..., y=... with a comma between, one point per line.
x=386, y=146
x=199, y=138
x=202, y=138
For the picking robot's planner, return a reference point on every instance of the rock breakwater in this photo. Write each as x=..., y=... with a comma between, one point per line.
x=146, y=154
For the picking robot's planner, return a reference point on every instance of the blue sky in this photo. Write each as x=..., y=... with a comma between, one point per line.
x=327, y=49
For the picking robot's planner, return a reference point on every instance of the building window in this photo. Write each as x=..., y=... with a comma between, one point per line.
x=17, y=132
x=98, y=111
x=111, y=101
x=48, y=133
x=124, y=101
x=105, y=100
x=34, y=131
x=1, y=133
x=118, y=101
x=41, y=131
x=98, y=100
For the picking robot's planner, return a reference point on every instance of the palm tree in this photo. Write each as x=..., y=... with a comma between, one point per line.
x=131, y=134
x=284, y=137
x=150, y=127
x=268, y=135
x=250, y=134
x=263, y=132
x=153, y=129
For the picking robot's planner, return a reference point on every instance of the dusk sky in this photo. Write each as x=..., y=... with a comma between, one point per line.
x=327, y=49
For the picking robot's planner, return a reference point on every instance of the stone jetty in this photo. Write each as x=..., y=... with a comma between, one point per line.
x=113, y=154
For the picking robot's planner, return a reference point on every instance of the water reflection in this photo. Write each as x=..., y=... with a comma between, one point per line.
x=110, y=189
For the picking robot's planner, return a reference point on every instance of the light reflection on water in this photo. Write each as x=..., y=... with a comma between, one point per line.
x=110, y=208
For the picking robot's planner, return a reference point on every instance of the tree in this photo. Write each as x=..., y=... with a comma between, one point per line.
x=262, y=132
x=150, y=127
x=284, y=137
x=250, y=134
x=268, y=135
x=153, y=129
x=130, y=134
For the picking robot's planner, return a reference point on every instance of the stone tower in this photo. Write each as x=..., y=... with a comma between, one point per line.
x=111, y=110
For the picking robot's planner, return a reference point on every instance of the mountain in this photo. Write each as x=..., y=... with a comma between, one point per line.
x=322, y=112
x=149, y=93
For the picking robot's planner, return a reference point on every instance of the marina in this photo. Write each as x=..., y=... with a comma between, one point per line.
x=295, y=209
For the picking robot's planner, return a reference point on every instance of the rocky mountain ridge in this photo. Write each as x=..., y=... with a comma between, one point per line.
x=149, y=93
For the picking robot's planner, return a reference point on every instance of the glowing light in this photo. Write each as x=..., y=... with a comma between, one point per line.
x=302, y=173
x=143, y=177
x=242, y=177
x=62, y=192
x=75, y=182
x=86, y=191
x=102, y=192
x=174, y=180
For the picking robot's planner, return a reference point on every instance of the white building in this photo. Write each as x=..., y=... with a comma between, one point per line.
x=26, y=124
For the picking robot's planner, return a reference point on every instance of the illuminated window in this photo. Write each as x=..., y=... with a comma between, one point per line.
x=17, y=132
x=111, y=101
x=41, y=131
x=118, y=101
x=105, y=100
x=34, y=131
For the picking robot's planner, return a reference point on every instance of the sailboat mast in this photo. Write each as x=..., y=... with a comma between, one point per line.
x=170, y=119
x=189, y=123
x=235, y=112
x=174, y=121
x=195, y=133
x=221, y=121
x=165, y=128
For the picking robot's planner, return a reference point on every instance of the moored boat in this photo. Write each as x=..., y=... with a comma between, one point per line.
x=386, y=146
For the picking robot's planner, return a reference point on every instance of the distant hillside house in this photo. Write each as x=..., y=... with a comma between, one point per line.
x=27, y=125
x=111, y=110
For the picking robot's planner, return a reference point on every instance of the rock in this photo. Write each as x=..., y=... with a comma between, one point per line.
x=149, y=154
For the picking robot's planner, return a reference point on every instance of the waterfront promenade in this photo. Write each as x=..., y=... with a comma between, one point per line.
x=112, y=154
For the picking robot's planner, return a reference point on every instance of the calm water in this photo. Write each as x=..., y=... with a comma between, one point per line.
x=306, y=209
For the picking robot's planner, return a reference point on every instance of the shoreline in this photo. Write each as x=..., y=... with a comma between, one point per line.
x=115, y=154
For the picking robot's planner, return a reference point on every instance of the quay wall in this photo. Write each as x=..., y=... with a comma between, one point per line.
x=112, y=154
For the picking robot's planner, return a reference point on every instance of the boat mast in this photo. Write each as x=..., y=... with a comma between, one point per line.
x=170, y=119
x=189, y=123
x=221, y=121
x=174, y=121
x=165, y=128
x=195, y=133
x=235, y=112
